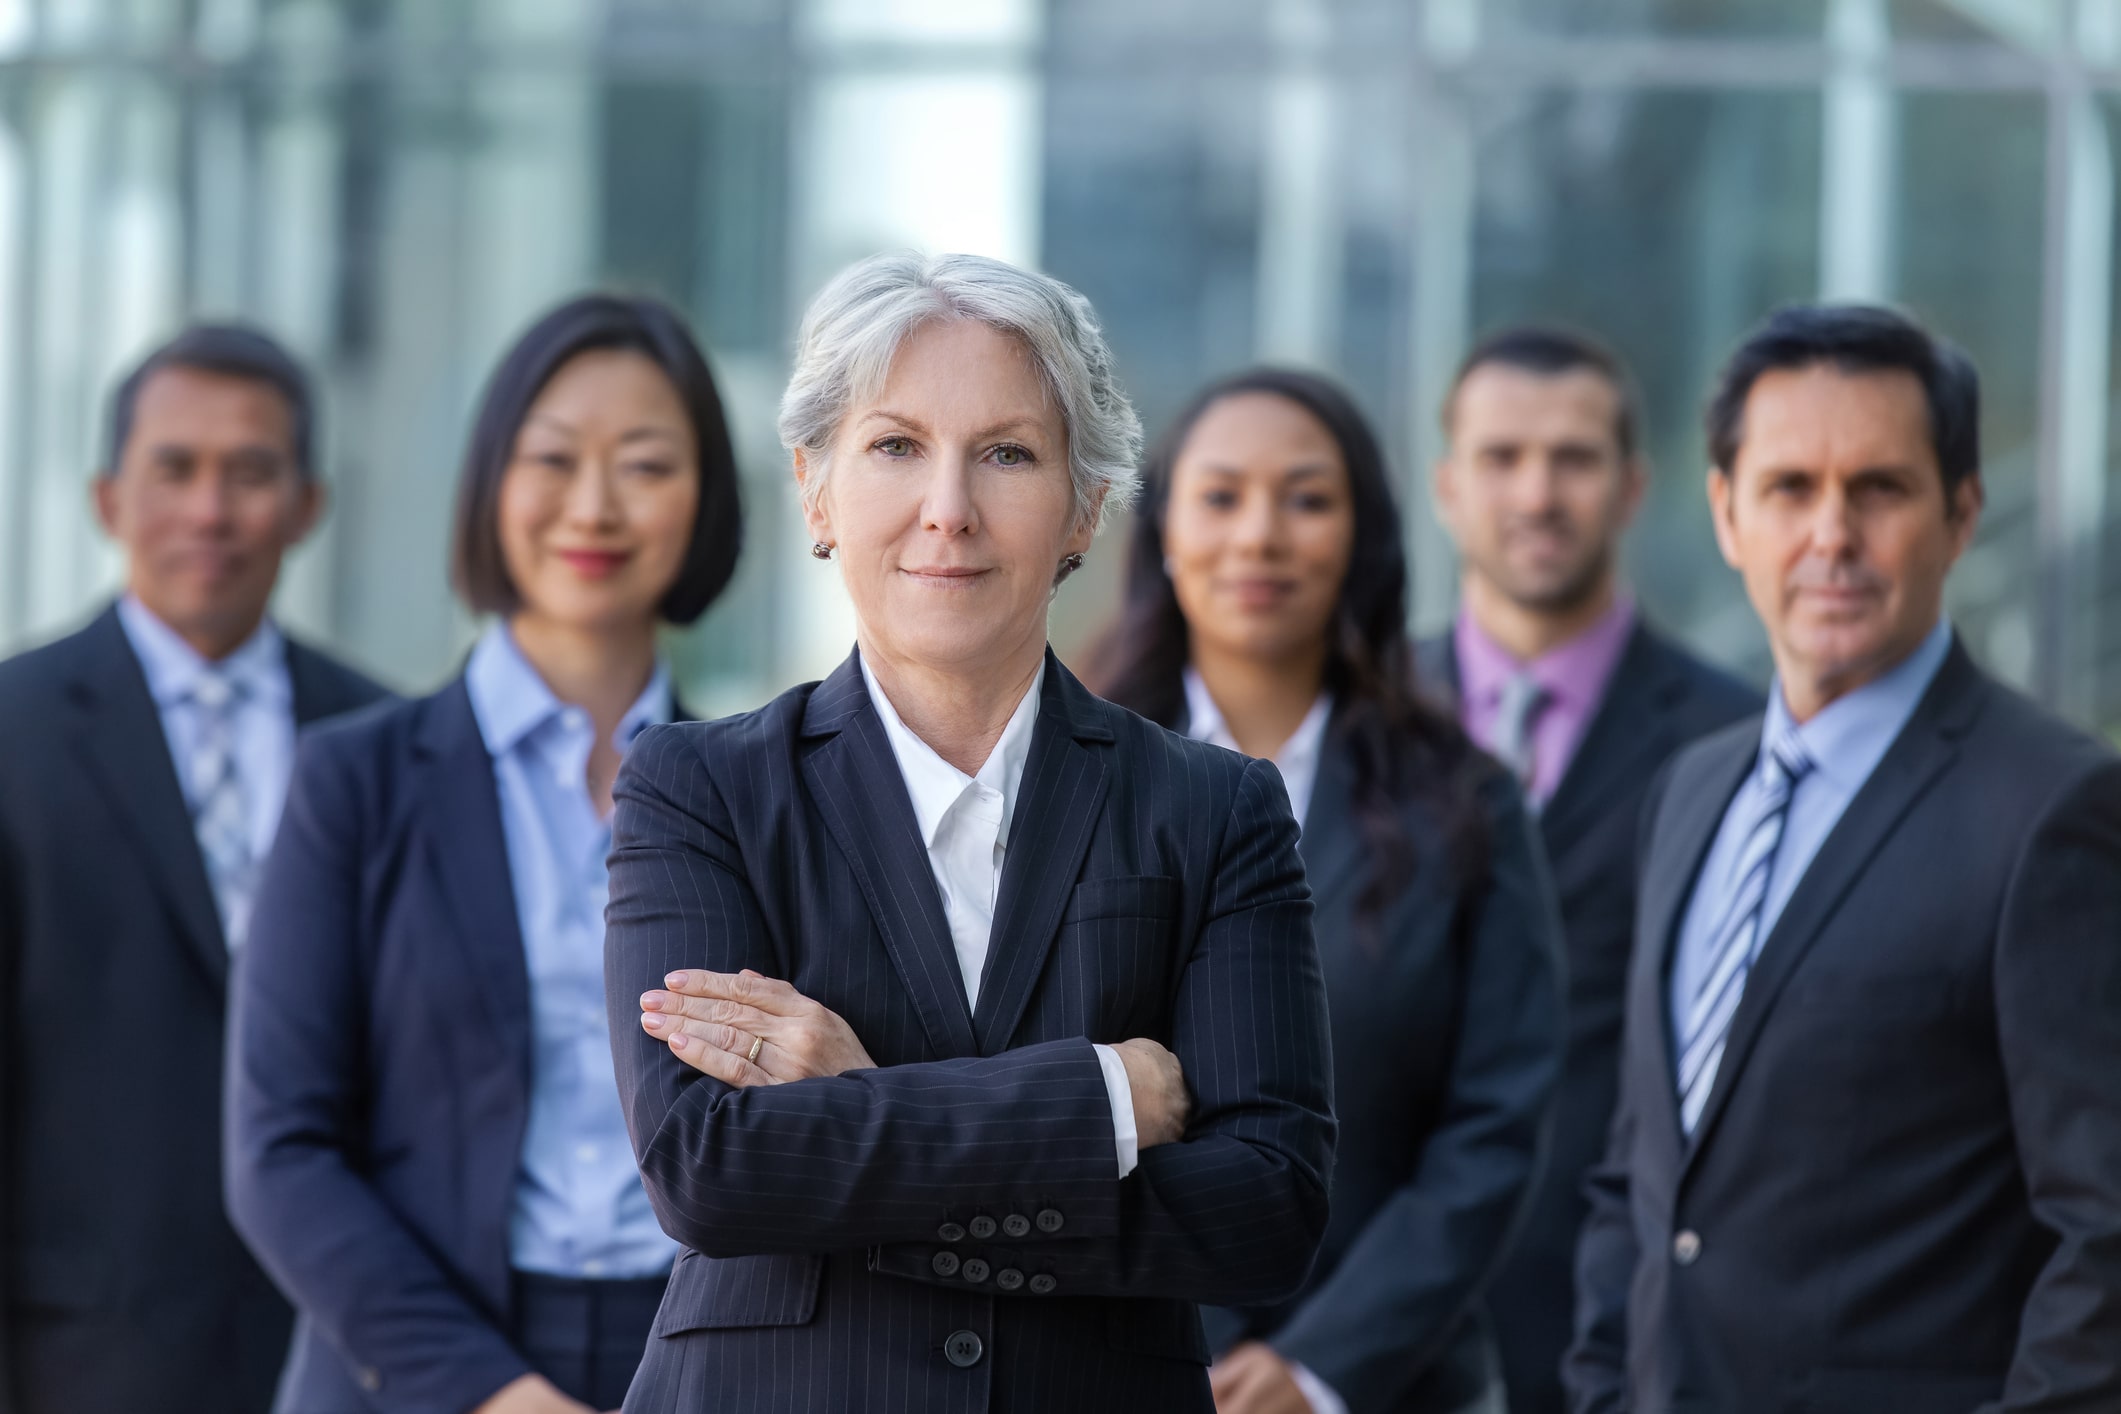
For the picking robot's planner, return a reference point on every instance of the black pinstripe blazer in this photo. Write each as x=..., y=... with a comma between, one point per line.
x=947, y=1232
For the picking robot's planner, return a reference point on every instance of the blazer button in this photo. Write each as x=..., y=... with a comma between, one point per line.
x=951, y=1232
x=1016, y=1225
x=1049, y=1220
x=1043, y=1284
x=963, y=1349
x=975, y=1269
x=945, y=1264
x=1009, y=1279
x=981, y=1227
x=371, y=1378
x=1686, y=1247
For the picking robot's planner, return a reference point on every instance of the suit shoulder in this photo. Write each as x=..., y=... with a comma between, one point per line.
x=343, y=685
x=1711, y=696
x=31, y=679
x=1143, y=745
x=2020, y=741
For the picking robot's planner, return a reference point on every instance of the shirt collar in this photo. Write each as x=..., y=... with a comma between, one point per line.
x=933, y=784
x=1574, y=672
x=1850, y=735
x=511, y=701
x=1205, y=722
x=258, y=667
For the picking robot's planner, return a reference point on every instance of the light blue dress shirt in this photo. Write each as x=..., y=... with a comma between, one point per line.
x=1845, y=742
x=580, y=1210
x=264, y=730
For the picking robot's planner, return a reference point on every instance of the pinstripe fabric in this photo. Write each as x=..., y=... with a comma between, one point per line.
x=1152, y=888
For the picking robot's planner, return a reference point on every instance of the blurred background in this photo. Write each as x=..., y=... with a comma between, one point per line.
x=398, y=186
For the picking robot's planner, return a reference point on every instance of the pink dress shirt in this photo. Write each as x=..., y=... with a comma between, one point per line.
x=1574, y=675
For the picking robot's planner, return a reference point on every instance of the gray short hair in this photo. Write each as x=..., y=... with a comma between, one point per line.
x=855, y=326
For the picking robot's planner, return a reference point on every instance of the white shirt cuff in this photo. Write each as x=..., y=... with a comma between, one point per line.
x=1121, y=1094
x=1317, y=1393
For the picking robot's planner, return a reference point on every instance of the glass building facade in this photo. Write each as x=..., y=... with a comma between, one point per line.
x=396, y=186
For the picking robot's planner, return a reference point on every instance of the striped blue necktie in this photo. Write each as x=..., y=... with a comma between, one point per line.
x=1736, y=937
x=219, y=804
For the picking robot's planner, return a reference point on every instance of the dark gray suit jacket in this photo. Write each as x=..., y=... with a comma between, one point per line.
x=1447, y=1043
x=126, y=1289
x=1904, y=1193
x=948, y=1232
x=1659, y=698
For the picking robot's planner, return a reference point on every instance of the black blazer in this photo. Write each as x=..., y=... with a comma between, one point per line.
x=1447, y=1042
x=1659, y=698
x=948, y=1232
x=380, y=1066
x=1904, y=1193
x=125, y=1288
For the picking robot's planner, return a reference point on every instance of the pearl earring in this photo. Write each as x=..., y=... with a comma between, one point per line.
x=820, y=550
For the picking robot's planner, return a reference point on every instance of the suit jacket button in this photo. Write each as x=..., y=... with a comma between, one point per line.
x=982, y=1227
x=951, y=1232
x=1043, y=1284
x=371, y=1378
x=1009, y=1279
x=1686, y=1247
x=1049, y=1221
x=1016, y=1225
x=963, y=1349
x=975, y=1269
x=945, y=1264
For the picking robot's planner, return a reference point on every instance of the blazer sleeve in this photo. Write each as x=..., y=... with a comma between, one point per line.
x=294, y=1124
x=879, y=1158
x=11, y=930
x=2058, y=1004
x=1418, y=1266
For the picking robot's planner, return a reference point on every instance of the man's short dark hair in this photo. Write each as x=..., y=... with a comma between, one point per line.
x=234, y=351
x=589, y=322
x=1549, y=351
x=1855, y=338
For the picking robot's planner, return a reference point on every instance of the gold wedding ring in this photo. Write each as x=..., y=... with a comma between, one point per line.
x=756, y=1042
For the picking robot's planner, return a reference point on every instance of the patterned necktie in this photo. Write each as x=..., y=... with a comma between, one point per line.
x=219, y=811
x=1523, y=699
x=1736, y=937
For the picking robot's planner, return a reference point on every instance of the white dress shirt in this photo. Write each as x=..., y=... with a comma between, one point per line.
x=1298, y=758
x=264, y=728
x=964, y=822
x=1298, y=763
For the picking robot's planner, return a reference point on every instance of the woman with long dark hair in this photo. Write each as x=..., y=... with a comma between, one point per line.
x=1265, y=611
x=425, y=1144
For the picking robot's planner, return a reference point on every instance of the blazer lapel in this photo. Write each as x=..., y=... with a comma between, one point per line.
x=854, y=780
x=470, y=854
x=1699, y=800
x=1057, y=808
x=123, y=746
x=1333, y=856
x=1926, y=745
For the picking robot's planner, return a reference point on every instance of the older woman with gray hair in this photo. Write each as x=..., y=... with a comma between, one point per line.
x=972, y=1027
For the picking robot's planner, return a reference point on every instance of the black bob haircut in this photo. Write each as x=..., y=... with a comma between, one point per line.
x=234, y=351
x=1549, y=351
x=583, y=325
x=1855, y=338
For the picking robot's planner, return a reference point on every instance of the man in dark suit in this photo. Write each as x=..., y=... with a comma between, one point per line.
x=146, y=759
x=1865, y=1157
x=1552, y=669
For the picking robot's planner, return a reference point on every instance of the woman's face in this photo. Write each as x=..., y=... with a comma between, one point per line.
x=597, y=503
x=949, y=501
x=1259, y=528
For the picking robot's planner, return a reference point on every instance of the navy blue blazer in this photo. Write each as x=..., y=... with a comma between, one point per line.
x=947, y=1233
x=1447, y=1045
x=379, y=1066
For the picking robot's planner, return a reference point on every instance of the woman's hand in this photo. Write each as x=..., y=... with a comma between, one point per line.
x=713, y=1019
x=531, y=1394
x=1157, y=1085
x=1252, y=1379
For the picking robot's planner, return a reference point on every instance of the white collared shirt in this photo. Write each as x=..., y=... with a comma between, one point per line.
x=1297, y=760
x=964, y=823
x=263, y=736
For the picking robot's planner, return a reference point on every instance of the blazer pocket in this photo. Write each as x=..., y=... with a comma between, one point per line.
x=1169, y=1330
x=1132, y=896
x=731, y=1293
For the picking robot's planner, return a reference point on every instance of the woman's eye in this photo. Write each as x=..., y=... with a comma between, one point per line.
x=552, y=461
x=655, y=470
x=1221, y=500
x=895, y=447
x=1313, y=504
x=1011, y=456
